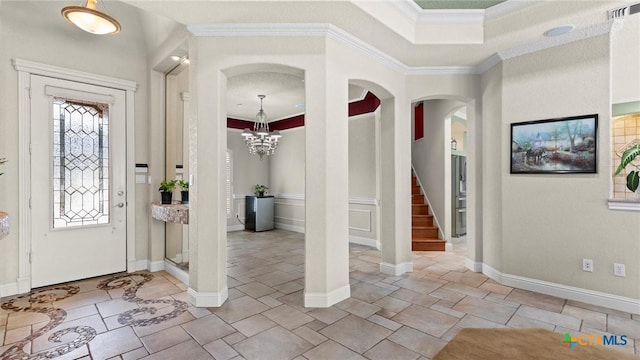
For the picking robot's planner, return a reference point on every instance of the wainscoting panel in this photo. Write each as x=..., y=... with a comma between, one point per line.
x=360, y=220
x=289, y=215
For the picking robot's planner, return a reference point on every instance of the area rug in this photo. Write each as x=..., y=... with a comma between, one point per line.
x=533, y=344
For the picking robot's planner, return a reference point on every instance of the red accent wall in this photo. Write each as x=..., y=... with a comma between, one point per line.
x=239, y=124
x=367, y=105
x=418, y=113
x=290, y=123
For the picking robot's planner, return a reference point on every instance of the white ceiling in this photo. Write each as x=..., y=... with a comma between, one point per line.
x=284, y=95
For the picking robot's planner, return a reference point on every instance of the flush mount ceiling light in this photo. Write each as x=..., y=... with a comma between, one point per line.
x=91, y=20
x=560, y=30
x=260, y=141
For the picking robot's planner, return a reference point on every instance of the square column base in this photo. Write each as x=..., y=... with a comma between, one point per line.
x=207, y=299
x=325, y=300
x=396, y=270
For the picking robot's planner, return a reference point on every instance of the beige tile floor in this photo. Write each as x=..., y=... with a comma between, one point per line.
x=405, y=317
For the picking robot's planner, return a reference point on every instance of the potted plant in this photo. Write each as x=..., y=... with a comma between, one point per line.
x=184, y=190
x=633, y=176
x=166, y=190
x=260, y=190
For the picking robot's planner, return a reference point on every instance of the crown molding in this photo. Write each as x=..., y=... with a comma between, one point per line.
x=336, y=33
x=452, y=16
x=505, y=8
x=259, y=29
x=321, y=29
x=490, y=62
x=409, y=8
x=440, y=70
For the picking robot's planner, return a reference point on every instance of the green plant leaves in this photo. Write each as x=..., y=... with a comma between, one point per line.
x=627, y=157
x=167, y=185
x=633, y=180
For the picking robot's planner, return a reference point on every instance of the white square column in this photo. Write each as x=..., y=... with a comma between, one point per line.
x=395, y=188
x=327, y=190
x=207, y=213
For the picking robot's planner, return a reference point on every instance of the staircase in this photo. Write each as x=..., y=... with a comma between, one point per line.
x=424, y=235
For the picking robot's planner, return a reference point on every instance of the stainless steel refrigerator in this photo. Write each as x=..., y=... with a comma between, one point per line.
x=258, y=213
x=458, y=195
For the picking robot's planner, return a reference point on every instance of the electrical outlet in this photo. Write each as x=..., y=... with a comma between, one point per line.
x=618, y=270
x=587, y=265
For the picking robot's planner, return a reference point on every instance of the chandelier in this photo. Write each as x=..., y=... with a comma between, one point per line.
x=260, y=141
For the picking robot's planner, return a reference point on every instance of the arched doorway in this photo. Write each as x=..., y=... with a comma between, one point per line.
x=438, y=164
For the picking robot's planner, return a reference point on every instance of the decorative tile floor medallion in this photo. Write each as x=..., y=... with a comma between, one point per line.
x=131, y=287
x=42, y=301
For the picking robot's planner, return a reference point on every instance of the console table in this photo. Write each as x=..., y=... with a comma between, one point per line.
x=4, y=224
x=175, y=213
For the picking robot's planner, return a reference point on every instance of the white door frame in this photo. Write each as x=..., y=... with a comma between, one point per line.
x=25, y=70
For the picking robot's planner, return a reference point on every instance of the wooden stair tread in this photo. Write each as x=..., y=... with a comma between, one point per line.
x=424, y=235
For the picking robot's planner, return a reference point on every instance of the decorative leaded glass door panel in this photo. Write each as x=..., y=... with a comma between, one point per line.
x=78, y=167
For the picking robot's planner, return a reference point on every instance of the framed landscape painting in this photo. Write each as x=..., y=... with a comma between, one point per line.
x=565, y=145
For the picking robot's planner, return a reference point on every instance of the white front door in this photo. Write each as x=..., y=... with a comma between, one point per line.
x=78, y=181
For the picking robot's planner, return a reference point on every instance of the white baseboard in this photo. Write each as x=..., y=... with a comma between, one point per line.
x=142, y=265
x=20, y=286
x=396, y=270
x=599, y=298
x=472, y=265
x=132, y=265
x=24, y=284
x=325, y=300
x=491, y=272
x=210, y=299
x=156, y=266
x=237, y=227
x=9, y=289
x=178, y=273
x=448, y=246
x=298, y=229
x=364, y=241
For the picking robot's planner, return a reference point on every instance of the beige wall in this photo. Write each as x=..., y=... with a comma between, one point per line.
x=625, y=60
x=492, y=129
x=287, y=164
x=248, y=170
x=551, y=222
x=50, y=40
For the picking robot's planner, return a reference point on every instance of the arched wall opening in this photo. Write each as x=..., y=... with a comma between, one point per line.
x=394, y=249
x=432, y=158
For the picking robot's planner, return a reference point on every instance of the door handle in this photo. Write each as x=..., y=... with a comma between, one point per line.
x=120, y=205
